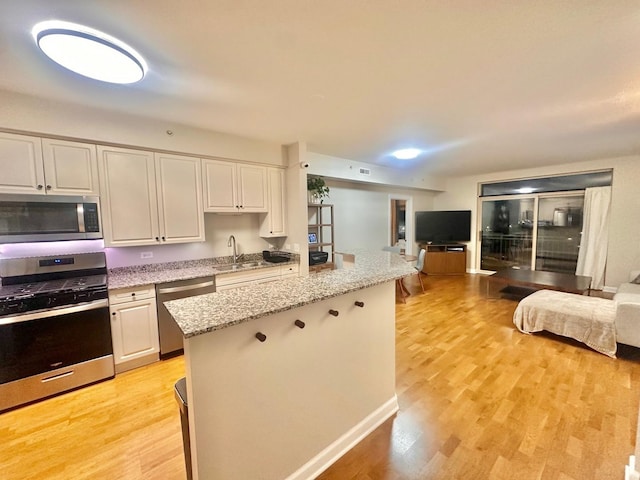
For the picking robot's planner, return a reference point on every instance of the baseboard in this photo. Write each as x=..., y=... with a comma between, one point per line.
x=346, y=442
x=609, y=289
x=630, y=472
x=136, y=362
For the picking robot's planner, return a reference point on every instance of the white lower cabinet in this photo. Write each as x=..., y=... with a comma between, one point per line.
x=228, y=281
x=134, y=327
x=287, y=271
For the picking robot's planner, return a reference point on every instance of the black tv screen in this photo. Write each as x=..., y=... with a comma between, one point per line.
x=444, y=226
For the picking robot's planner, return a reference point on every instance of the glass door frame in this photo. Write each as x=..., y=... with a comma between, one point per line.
x=524, y=196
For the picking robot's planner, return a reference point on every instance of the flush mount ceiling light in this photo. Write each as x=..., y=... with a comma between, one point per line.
x=406, y=153
x=89, y=52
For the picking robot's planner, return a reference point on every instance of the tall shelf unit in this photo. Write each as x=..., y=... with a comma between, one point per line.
x=320, y=220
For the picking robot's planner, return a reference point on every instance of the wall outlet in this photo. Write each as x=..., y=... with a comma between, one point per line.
x=296, y=247
x=146, y=255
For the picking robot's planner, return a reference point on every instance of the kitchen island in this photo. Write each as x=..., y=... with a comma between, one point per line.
x=283, y=378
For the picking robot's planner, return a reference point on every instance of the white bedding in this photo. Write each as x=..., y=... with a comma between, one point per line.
x=589, y=320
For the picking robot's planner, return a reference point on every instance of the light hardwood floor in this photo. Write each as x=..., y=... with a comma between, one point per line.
x=478, y=400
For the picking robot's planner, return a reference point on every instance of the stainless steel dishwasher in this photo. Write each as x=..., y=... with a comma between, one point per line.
x=170, y=334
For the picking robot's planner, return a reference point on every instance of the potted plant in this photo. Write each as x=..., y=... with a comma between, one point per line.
x=317, y=189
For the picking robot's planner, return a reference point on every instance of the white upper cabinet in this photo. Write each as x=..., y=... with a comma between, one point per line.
x=179, y=187
x=47, y=167
x=252, y=188
x=70, y=168
x=274, y=223
x=129, y=201
x=234, y=187
x=149, y=199
x=21, y=164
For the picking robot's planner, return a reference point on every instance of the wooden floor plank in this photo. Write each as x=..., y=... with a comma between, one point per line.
x=478, y=400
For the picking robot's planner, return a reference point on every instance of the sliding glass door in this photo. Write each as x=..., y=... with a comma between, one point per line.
x=506, y=239
x=559, y=233
x=540, y=232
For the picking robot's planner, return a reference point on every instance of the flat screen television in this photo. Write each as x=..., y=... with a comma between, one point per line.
x=443, y=226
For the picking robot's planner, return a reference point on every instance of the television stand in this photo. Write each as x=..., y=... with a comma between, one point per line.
x=444, y=258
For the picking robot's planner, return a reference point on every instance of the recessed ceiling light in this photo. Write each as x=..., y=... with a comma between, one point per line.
x=406, y=153
x=89, y=52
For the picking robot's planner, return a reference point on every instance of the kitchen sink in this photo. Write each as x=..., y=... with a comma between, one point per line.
x=238, y=266
x=251, y=264
x=226, y=268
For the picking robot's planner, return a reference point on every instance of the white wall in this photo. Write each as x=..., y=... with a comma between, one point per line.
x=296, y=185
x=43, y=117
x=349, y=170
x=624, y=234
x=362, y=212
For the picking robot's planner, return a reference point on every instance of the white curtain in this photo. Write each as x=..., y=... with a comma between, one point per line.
x=592, y=256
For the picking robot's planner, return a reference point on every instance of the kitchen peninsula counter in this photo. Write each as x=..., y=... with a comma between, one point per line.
x=206, y=313
x=285, y=377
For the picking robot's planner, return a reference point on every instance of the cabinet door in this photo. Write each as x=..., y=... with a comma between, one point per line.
x=134, y=330
x=21, y=164
x=179, y=199
x=457, y=262
x=70, y=168
x=274, y=222
x=220, y=186
x=129, y=201
x=252, y=186
x=287, y=271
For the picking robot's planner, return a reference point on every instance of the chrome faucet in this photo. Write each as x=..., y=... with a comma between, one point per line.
x=232, y=240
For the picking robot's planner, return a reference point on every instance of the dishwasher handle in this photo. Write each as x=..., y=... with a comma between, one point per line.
x=185, y=288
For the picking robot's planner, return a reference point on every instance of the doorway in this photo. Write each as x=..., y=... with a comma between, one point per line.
x=401, y=223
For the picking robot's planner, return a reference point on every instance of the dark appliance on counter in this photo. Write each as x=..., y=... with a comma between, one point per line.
x=171, y=338
x=46, y=218
x=55, y=333
x=316, y=258
x=276, y=256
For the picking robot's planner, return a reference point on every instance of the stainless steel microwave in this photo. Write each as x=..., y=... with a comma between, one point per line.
x=46, y=218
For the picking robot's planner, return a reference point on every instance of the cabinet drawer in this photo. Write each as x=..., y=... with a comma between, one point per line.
x=290, y=270
x=247, y=277
x=124, y=295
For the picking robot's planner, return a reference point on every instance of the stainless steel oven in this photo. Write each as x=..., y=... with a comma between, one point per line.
x=42, y=218
x=55, y=332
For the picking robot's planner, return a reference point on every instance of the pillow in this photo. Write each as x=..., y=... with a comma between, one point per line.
x=636, y=280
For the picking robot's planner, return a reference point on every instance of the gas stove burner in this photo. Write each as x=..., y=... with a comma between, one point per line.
x=25, y=289
x=31, y=285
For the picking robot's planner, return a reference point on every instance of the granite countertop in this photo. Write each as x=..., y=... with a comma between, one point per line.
x=138, y=275
x=214, y=311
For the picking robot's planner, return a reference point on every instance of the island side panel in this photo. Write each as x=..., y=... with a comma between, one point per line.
x=273, y=410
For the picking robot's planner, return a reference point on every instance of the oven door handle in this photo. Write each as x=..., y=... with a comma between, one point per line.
x=55, y=312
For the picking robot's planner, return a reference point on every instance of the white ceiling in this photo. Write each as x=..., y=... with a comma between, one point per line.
x=483, y=85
